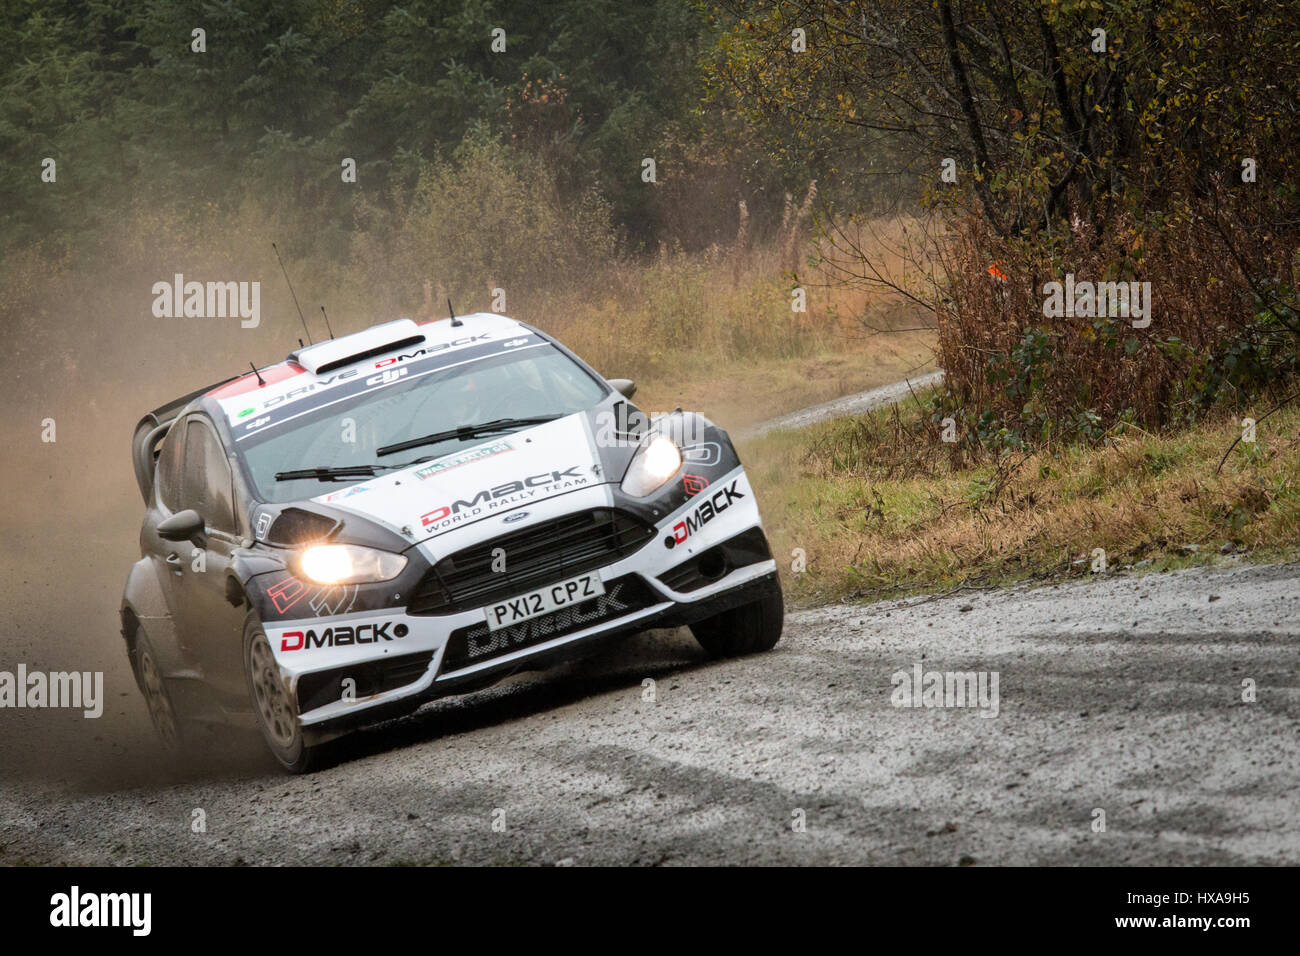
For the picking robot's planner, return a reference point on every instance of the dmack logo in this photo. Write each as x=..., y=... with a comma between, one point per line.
x=702, y=515
x=431, y=349
x=341, y=636
x=500, y=491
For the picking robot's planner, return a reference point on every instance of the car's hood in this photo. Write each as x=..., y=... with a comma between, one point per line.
x=480, y=481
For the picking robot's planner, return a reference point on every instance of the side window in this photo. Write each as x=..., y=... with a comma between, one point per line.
x=167, y=473
x=205, y=478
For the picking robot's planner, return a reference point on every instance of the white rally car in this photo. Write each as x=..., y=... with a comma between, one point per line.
x=420, y=510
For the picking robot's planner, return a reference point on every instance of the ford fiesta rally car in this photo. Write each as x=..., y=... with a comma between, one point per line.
x=420, y=510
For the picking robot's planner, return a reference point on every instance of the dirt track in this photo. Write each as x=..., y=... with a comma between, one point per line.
x=1121, y=694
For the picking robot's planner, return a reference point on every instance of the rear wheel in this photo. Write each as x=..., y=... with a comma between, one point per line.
x=276, y=716
x=747, y=629
x=162, y=711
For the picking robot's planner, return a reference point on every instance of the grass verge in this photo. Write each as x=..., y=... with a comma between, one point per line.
x=880, y=507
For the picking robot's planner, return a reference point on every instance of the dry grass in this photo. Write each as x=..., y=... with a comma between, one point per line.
x=880, y=506
x=713, y=330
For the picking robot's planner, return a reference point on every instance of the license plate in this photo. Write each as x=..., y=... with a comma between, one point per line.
x=525, y=607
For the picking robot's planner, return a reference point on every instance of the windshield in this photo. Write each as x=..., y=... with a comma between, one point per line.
x=537, y=382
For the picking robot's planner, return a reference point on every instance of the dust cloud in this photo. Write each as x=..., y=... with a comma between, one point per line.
x=91, y=356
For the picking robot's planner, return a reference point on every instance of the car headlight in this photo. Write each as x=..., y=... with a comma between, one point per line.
x=349, y=564
x=653, y=464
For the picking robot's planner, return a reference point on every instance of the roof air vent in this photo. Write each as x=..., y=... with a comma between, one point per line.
x=338, y=353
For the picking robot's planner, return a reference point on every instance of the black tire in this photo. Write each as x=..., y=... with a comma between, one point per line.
x=167, y=720
x=747, y=629
x=273, y=708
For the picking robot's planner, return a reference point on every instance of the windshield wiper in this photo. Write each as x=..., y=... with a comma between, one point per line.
x=347, y=472
x=465, y=431
x=339, y=473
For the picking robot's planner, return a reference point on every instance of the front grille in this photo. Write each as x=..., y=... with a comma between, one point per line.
x=372, y=677
x=522, y=560
x=475, y=643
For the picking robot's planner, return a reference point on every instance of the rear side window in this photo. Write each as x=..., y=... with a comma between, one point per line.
x=205, y=478
x=167, y=474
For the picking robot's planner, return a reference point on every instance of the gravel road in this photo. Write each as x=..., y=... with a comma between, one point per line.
x=854, y=404
x=1122, y=695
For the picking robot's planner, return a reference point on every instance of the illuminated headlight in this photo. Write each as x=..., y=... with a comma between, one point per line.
x=652, y=465
x=349, y=564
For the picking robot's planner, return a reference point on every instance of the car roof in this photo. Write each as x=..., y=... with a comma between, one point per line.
x=322, y=359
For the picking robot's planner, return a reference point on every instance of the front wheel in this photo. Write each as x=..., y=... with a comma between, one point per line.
x=276, y=716
x=747, y=629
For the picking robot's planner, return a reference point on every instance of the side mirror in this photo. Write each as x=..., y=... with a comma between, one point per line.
x=183, y=526
x=624, y=386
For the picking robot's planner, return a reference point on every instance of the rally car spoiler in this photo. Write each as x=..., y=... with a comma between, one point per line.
x=150, y=431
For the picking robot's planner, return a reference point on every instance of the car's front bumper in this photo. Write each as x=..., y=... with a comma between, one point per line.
x=327, y=723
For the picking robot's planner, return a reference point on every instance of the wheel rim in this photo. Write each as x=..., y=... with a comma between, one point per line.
x=160, y=705
x=273, y=706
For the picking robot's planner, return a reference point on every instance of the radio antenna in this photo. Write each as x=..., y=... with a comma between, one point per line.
x=292, y=293
x=327, y=322
x=455, y=322
x=260, y=381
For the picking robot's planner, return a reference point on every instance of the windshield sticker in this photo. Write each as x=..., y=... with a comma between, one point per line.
x=346, y=493
x=490, y=450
